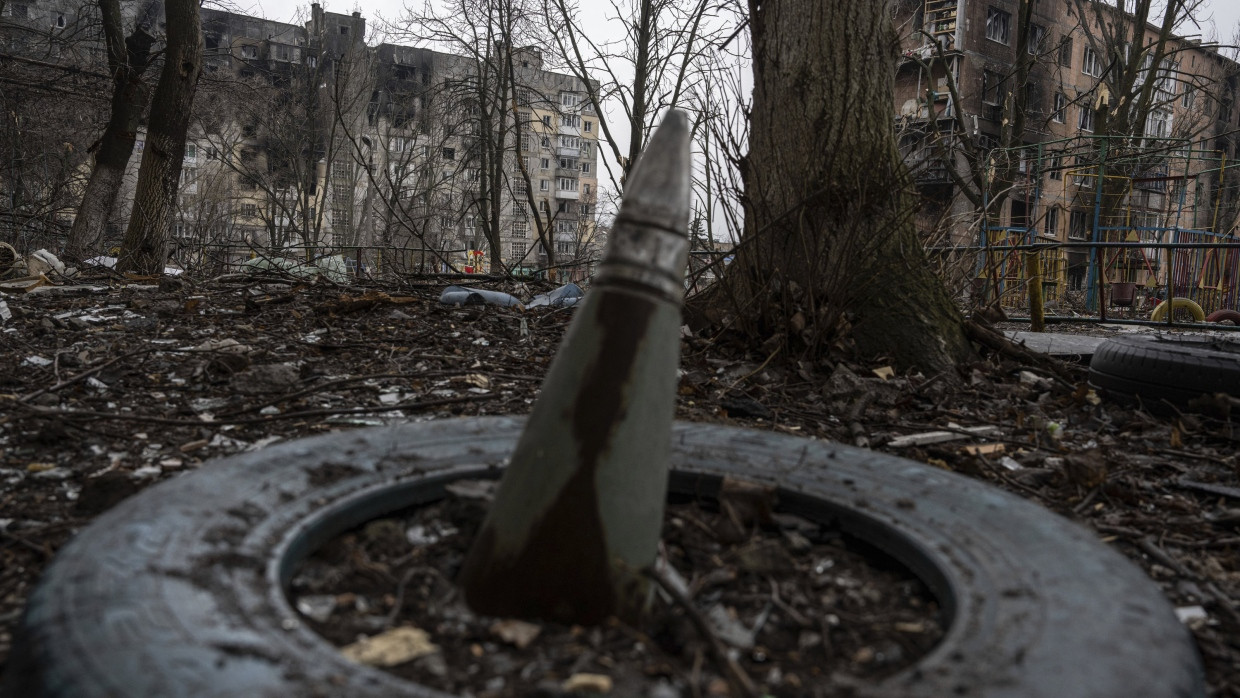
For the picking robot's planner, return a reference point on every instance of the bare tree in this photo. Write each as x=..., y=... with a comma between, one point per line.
x=128, y=59
x=143, y=249
x=652, y=69
x=829, y=251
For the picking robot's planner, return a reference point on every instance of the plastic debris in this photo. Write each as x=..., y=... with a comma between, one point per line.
x=460, y=295
x=42, y=261
x=396, y=646
x=38, y=361
x=5, y=313
x=886, y=372
x=565, y=296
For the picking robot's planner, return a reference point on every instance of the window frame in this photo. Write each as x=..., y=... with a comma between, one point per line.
x=998, y=25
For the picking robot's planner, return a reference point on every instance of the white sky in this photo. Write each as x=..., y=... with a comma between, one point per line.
x=1225, y=14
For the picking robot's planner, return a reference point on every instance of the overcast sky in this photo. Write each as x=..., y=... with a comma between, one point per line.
x=1224, y=13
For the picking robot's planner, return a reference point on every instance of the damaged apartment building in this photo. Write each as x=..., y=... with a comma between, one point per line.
x=307, y=141
x=965, y=63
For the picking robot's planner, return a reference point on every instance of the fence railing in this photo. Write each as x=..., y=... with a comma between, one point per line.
x=1122, y=282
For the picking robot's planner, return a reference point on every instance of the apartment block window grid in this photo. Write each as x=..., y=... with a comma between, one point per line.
x=342, y=181
x=521, y=228
x=340, y=223
x=566, y=184
x=998, y=25
x=519, y=187
x=518, y=248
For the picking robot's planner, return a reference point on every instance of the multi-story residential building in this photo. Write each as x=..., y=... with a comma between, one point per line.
x=954, y=106
x=308, y=139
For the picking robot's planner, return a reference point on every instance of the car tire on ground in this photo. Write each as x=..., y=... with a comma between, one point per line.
x=1224, y=315
x=1172, y=368
x=179, y=591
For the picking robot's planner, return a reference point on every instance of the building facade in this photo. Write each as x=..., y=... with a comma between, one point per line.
x=985, y=181
x=308, y=141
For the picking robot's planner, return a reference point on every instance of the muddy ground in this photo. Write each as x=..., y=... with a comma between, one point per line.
x=111, y=386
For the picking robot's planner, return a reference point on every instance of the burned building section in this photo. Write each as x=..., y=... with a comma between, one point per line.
x=1016, y=132
x=309, y=142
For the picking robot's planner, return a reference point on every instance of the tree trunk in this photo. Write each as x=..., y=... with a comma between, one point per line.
x=143, y=250
x=128, y=59
x=829, y=246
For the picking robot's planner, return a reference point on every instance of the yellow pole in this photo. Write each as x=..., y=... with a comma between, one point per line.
x=1033, y=274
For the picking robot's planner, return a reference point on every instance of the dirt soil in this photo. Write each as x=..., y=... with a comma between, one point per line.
x=109, y=387
x=738, y=605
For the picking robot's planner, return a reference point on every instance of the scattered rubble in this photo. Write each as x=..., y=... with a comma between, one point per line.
x=206, y=369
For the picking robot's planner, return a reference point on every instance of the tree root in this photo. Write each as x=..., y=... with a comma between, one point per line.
x=994, y=340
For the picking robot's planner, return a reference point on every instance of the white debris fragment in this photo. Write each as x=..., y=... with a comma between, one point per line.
x=1191, y=615
x=5, y=313
x=317, y=607
x=146, y=471
x=934, y=437
x=1010, y=463
x=36, y=360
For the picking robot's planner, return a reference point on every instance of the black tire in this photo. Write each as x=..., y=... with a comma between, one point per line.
x=1175, y=368
x=179, y=590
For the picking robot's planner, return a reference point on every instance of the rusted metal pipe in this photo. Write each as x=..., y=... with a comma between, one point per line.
x=579, y=510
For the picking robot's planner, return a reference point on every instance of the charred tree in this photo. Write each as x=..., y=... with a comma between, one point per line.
x=159, y=175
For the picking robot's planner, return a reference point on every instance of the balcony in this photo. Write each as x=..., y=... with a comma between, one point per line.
x=567, y=172
x=563, y=152
x=565, y=194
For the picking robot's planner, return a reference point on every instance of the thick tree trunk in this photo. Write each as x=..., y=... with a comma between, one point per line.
x=829, y=247
x=158, y=177
x=128, y=59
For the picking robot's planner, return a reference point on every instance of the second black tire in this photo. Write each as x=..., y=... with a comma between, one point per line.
x=1172, y=368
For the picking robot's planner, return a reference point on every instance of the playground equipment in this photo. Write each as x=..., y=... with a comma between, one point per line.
x=1108, y=217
